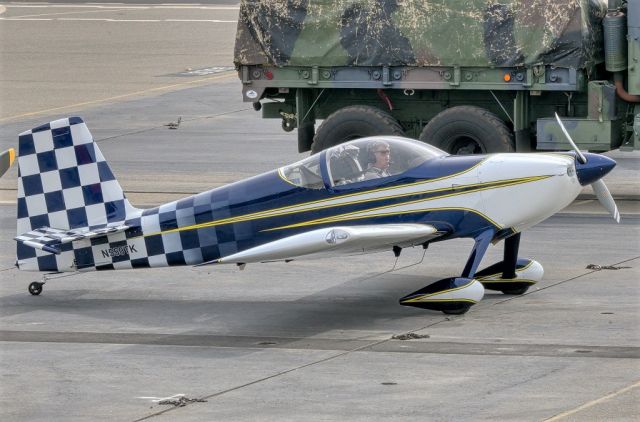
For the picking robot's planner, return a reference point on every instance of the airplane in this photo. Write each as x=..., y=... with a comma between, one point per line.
x=6, y=160
x=73, y=215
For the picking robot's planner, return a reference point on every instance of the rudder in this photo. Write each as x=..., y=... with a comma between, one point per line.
x=64, y=181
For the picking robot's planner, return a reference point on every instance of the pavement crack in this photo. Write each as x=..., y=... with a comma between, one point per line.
x=206, y=398
x=409, y=336
x=597, y=267
x=278, y=374
x=616, y=265
x=181, y=401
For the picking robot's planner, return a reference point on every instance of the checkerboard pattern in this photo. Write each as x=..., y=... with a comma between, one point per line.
x=50, y=240
x=73, y=215
x=190, y=247
x=65, y=187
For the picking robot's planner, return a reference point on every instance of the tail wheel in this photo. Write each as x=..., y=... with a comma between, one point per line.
x=354, y=122
x=468, y=130
x=35, y=288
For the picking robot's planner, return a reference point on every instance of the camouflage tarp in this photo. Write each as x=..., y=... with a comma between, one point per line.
x=564, y=33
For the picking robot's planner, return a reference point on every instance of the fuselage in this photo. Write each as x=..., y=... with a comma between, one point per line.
x=459, y=195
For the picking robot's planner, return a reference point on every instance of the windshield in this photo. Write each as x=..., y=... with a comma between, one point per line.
x=304, y=173
x=376, y=157
x=361, y=159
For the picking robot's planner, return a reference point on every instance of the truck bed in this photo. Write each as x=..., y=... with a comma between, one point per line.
x=478, y=33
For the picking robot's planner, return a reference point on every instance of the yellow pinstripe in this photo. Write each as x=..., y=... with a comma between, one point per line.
x=331, y=202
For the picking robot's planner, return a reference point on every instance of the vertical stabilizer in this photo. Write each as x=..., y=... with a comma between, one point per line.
x=64, y=182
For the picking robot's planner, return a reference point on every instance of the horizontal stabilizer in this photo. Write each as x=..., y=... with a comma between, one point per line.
x=329, y=241
x=49, y=239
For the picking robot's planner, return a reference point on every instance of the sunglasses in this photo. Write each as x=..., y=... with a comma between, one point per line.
x=384, y=151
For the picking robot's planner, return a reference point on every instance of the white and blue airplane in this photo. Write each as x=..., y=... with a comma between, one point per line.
x=73, y=215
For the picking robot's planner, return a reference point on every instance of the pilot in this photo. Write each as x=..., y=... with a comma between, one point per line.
x=379, y=155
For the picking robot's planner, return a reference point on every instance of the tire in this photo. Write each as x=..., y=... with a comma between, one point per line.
x=516, y=291
x=35, y=288
x=354, y=122
x=457, y=311
x=468, y=130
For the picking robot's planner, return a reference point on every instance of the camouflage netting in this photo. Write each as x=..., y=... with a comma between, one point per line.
x=564, y=33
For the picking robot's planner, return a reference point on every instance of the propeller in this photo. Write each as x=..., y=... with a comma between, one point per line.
x=599, y=188
x=581, y=158
x=605, y=198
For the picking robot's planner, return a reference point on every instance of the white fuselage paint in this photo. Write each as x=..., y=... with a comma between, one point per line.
x=520, y=205
x=524, y=205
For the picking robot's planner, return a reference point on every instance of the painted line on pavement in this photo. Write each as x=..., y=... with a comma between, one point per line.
x=62, y=13
x=111, y=6
x=117, y=20
x=119, y=97
x=593, y=403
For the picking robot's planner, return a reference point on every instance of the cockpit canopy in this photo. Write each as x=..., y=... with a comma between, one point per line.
x=353, y=161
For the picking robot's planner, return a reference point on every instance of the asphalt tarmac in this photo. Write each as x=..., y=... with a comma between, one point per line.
x=310, y=340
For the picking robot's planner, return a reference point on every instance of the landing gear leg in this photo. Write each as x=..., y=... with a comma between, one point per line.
x=512, y=275
x=479, y=249
x=511, y=247
x=482, y=243
x=455, y=295
x=35, y=288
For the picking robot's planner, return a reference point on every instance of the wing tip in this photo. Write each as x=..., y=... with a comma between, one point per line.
x=6, y=160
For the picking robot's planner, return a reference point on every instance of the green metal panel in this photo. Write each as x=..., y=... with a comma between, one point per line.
x=275, y=110
x=634, y=63
x=633, y=37
x=602, y=101
x=631, y=139
x=636, y=129
x=588, y=134
x=256, y=79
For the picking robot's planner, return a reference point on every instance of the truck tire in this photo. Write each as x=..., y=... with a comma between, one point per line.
x=354, y=122
x=468, y=130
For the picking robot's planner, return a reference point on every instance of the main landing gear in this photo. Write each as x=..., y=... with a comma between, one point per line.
x=513, y=275
x=454, y=296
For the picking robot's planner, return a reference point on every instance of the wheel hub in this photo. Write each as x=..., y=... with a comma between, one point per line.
x=465, y=145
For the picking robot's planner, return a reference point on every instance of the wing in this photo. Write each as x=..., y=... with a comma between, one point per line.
x=335, y=241
x=6, y=159
x=50, y=240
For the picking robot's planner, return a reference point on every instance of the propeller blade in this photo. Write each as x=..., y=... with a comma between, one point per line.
x=605, y=198
x=581, y=157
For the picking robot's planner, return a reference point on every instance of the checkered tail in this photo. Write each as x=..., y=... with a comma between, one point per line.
x=66, y=191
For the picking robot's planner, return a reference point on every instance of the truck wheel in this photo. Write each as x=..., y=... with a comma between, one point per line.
x=468, y=130
x=354, y=122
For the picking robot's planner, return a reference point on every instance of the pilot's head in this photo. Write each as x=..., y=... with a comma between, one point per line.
x=379, y=154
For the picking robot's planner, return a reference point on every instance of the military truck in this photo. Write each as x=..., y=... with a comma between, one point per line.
x=468, y=76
